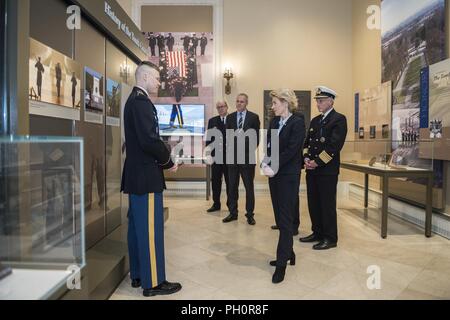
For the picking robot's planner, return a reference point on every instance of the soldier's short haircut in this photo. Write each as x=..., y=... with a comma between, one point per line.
x=243, y=95
x=145, y=65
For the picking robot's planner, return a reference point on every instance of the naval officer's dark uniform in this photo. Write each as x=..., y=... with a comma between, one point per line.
x=325, y=139
x=143, y=180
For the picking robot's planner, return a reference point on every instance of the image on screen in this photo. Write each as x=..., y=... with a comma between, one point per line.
x=181, y=120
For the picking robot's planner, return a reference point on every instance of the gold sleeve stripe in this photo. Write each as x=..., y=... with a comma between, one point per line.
x=325, y=157
x=305, y=151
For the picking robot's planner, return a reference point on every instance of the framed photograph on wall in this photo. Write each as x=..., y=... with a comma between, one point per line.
x=94, y=97
x=54, y=83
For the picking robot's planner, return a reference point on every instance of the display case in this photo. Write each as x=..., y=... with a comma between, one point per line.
x=404, y=174
x=380, y=154
x=42, y=241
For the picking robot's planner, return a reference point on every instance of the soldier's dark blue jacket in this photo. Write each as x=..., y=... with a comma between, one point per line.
x=147, y=155
x=324, y=142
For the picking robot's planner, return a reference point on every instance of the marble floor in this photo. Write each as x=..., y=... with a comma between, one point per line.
x=213, y=260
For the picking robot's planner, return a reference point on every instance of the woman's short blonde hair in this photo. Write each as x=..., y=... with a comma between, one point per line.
x=288, y=96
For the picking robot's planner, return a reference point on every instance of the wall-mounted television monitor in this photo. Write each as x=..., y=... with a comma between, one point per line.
x=181, y=120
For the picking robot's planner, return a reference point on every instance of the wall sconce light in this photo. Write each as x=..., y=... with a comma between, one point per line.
x=124, y=70
x=228, y=75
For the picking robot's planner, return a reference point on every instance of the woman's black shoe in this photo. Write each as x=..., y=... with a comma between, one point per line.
x=278, y=276
x=291, y=261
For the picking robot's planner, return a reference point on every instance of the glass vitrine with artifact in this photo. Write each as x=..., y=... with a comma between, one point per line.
x=381, y=154
x=41, y=215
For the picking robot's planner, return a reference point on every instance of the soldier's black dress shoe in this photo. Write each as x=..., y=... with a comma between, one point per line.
x=291, y=261
x=278, y=276
x=213, y=209
x=163, y=289
x=251, y=221
x=325, y=245
x=311, y=238
x=136, y=283
x=230, y=218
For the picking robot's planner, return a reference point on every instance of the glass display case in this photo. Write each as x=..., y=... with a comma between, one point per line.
x=42, y=241
x=390, y=155
x=403, y=170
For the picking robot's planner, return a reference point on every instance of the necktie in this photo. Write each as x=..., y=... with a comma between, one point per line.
x=224, y=121
x=241, y=120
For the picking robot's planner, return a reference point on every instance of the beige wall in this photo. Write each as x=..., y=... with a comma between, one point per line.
x=299, y=45
x=177, y=18
x=127, y=5
x=291, y=45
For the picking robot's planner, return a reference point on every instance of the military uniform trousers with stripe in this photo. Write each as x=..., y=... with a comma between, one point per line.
x=146, y=239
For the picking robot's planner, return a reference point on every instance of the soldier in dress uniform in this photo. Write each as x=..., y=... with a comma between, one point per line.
x=203, y=43
x=161, y=40
x=195, y=42
x=170, y=42
x=152, y=43
x=186, y=40
x=324, y=142
x=143, y=180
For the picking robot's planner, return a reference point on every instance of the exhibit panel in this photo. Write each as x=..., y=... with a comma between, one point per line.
x=410, y=42
x=117, y=72
x=435, y=114
x=42, y=226
x=90, y=53
x=373, y=113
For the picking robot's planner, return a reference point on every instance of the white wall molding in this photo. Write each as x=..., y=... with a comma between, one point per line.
x=217, y=30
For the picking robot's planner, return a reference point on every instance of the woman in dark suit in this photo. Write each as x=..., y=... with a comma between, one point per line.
x=283, y=165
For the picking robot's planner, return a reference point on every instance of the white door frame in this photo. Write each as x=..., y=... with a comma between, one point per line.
x=217, y=30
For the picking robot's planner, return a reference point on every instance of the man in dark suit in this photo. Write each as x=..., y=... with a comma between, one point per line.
x=323, y=144
x=242, y=141
x=143, y=181
x=218, y=167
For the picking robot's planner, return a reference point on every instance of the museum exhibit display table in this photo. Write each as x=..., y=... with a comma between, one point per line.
x=385, y=173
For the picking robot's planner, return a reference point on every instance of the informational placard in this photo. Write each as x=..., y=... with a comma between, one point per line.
x=435, y=109
x=374, y=111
